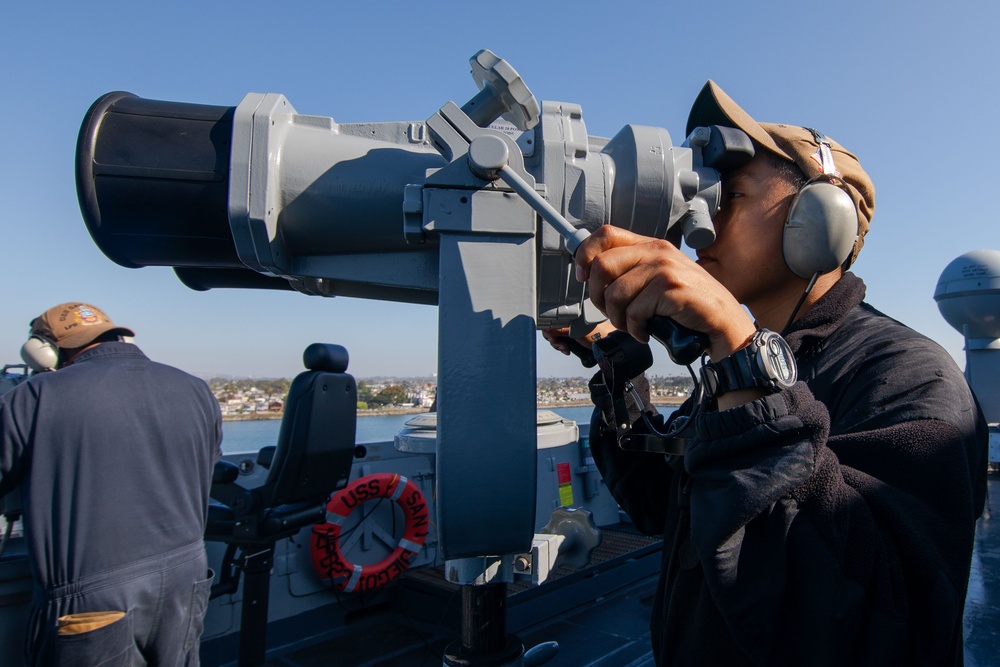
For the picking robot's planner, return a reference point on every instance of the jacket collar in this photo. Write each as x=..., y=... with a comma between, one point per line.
x=109, y=349
x=826, y=314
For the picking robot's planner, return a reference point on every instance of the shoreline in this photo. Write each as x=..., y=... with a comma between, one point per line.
x=660, y=401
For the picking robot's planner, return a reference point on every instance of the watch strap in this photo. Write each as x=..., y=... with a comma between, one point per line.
x=730, y=374
x=766, y=362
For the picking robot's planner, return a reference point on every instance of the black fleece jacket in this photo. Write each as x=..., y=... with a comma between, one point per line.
x=829, y=524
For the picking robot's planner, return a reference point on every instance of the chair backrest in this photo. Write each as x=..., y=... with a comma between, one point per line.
x=315, y=447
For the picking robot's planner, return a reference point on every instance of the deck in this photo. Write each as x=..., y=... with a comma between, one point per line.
x=598, y=616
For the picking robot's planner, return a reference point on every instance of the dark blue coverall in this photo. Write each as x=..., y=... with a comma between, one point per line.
x=114, y=456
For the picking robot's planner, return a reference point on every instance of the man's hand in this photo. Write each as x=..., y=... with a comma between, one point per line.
x=558, y=337
x=633, y=277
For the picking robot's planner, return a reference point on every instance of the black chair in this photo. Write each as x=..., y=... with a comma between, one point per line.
x=311, y=460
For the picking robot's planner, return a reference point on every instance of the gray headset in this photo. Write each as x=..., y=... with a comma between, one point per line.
x=41, y=354
x=822, y=223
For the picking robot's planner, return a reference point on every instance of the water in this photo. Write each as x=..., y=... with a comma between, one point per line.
x=250, y=436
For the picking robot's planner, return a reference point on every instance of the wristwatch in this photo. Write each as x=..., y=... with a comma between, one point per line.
x=766, y=363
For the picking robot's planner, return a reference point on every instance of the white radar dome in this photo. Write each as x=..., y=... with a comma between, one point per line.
x=968, y=294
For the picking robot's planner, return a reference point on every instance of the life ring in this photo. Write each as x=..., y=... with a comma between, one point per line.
x=327, y=557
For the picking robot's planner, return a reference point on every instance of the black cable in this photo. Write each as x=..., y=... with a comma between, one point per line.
x=681, y=421
x=10, y=518
x=802, y=299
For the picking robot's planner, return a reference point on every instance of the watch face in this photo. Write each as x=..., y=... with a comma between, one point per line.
x=778, y=360
x=767, y=363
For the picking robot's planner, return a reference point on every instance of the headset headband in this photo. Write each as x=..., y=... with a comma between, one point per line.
x=824, y=156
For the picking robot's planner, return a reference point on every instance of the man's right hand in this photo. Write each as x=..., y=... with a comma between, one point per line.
x=631, y=278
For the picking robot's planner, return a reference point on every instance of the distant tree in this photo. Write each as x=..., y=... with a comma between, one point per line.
x=274, y=388
x=364, y=392
x=391, y=395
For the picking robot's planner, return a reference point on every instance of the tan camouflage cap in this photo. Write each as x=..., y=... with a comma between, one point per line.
x=73, y=325
x=797, y=144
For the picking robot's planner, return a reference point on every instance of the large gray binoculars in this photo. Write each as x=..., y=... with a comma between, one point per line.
x=260, y=196
x=448, y=211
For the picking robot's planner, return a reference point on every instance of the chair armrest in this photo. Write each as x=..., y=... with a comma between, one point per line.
x=265, y=456
x=225, y=472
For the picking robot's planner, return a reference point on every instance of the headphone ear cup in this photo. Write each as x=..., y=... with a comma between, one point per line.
x=41, y=355
x=821, y=229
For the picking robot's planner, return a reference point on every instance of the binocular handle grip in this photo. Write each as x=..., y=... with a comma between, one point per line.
x=585, y=354
x=683, y=345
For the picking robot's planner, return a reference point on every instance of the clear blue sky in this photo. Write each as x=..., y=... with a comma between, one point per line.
x=911, y=90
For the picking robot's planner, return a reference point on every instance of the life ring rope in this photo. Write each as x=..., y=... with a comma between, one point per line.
x=328, y=557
